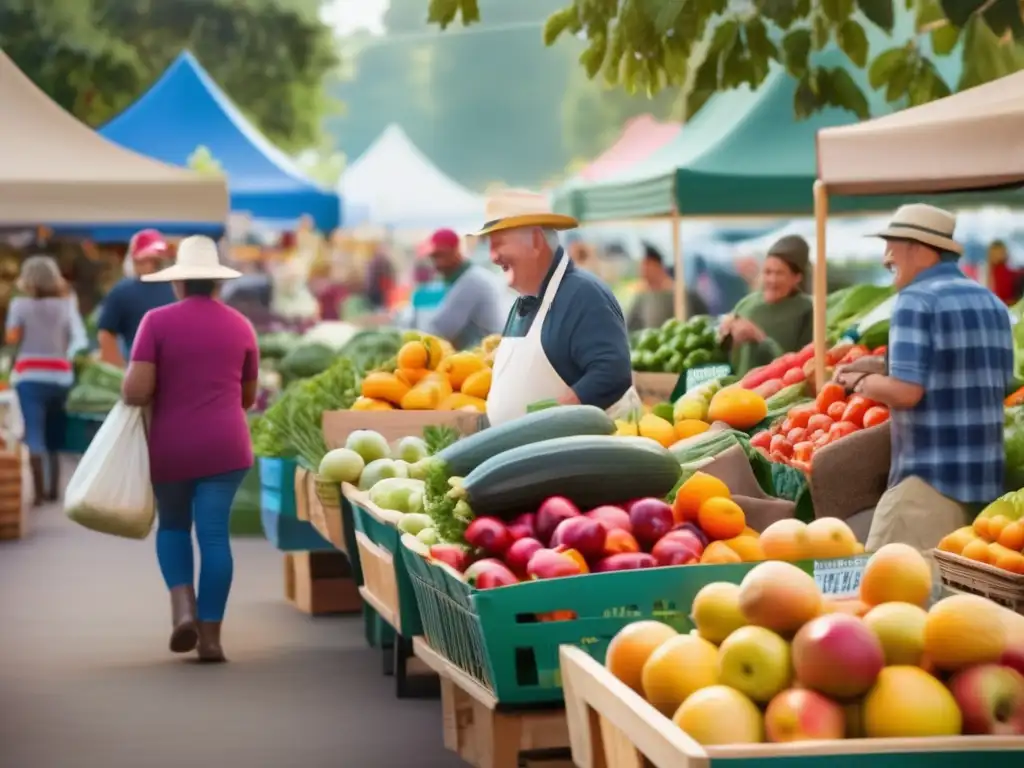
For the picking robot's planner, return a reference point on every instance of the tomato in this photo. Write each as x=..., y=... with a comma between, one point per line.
x=803, y=451
x=876, y=415
x=805, y=354
x=842, y=429
x=779, y=444
x=837, y=353
x=788, y=360
x=855, y=352
x=779, y=458
x=788, y=424
x=823, y=439
x=819, y=421
x=796, y=435
x=794, y=376
x=799, y=416
x=830, y=393
x=854, y=413
x=761, y=440
x=880, y=351
x=803, y=466
x=768, y=388
x=816, y=435
x=836, y=410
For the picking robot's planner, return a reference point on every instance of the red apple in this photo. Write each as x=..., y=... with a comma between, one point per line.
x=518, y=555
x=627, y=561
x=651, y=519
x=548, y=564
x=991, y=698
x=553, y=511
x=619, y=541
x=687, y=536
x=583, y=534
x=489, y=535
x=838, y=655
x=801, y=715
x=523, y=527
x=611, y=517
x=695, y=530
x=1013, y=657
x=676, y=550
x=454, y=555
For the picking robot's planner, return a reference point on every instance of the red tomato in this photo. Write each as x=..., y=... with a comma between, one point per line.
x=780, y=445
x=761, y=440
x=800, y=415
x=835, y=411
x=876, y=415
x=816, y=435
x=788, y=360
x=837, y=353
x=823, y=439
x=854, y=413
x=796, y=435
x=788, y=424
x=794, y=376
x=880, y=351
x=819, y=421
x=803, y=466
x=842, y=429
x=830, y=393
x=855, y=352
x=803, y=451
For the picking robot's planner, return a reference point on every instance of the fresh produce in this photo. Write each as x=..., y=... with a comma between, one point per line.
x=370, y=445
x=369, y=349
x=738, y=407
x=676, y=346
x=97, y=387
x=306, y=360
x=398, y=494
x=848, y=306
x=342, y=465
x=376, y=472
x=821, y=670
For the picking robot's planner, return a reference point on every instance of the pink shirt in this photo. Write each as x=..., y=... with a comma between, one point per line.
x=203, y=351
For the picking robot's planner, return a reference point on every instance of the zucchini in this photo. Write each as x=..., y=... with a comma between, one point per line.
x=589, y=470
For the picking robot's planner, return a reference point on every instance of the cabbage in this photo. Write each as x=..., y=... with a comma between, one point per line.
x=398, y=494
x=368, y=444
x=375, y=472
x=342, y=465
x=411, y=449
x=414, y=522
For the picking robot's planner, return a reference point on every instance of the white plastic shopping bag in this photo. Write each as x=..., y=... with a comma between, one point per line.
x=111, y=491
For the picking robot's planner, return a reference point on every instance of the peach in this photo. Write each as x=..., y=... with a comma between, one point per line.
x=718, y=552
x=896, y=573
x=955, y=542
x=977, y=550
x=716, y=611
x=900, y=629
x=749, y=549
x=720, y=715
x=630, y=649
x=907, y=702
x=964, y=630
x=786, y=540
x=678, y=667
x=779, y=596
x=1012, y=536
x=830, y=537
x=1005, y=558
x=837, y=655
x=802, y=715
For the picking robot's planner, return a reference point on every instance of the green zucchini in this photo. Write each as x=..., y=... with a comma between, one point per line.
x=589, y=470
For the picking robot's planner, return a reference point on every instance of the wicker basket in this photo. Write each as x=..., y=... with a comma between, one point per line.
x=963, y=575
x=328, y=491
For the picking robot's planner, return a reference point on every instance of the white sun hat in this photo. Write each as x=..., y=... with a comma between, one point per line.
x=197, y=259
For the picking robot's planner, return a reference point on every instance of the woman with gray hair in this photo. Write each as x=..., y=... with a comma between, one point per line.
x=41, y=325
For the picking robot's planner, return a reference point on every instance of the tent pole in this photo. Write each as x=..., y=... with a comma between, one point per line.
x=820, y=281
x=677, y=260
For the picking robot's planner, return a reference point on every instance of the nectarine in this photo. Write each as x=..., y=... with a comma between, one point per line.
x=632, y=646
x=896, y=573
x=779, y=596
x=786, y=540
x=830, y=537
x=678, y=667
x=964, y=630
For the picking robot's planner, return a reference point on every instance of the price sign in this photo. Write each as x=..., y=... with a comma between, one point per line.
x=701, y=374
x=840, y=578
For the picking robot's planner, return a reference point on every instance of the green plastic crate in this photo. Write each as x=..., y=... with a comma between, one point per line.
x=497, y=636
x=388, y=538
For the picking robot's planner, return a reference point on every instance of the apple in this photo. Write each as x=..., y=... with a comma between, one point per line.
x=489, y=535
x=584, y=534
x=548, y=564
x=688, y=537
x=611, y=517
x=676, y=550
x=694, y=529
x=454, y=555
x=900, y=629
x=798, y=714
x=626, y=561
x=489, y=573
x=518, y=555
x=838, y=655
x=991, y=698
x=553, y=511
x=1013, y=657
x=523, y=527
x=755, y=661
x=651, y=519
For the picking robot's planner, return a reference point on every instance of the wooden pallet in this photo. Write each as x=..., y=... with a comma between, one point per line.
x=486, y=735
x=13, y=504
x=320, y=582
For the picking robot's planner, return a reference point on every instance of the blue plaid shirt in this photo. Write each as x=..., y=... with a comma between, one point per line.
x=951, y=336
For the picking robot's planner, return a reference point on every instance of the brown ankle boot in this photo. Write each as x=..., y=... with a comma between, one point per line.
x=184, y=632
x=35, y=462
x=52, y=477
x=209, y=647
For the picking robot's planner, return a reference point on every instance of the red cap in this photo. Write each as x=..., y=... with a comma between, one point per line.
x=147, y=244
x=444, y=239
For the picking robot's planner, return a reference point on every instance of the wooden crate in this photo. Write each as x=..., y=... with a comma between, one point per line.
x=320, y=582
x=611, y=726
x=325, y=518
x=14, y=503
x=486, y=735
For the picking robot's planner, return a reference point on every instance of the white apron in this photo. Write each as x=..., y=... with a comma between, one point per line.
x=523, y=375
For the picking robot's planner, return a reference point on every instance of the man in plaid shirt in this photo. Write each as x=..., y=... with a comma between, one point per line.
x=950, y=363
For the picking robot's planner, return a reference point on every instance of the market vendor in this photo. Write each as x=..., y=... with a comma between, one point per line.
x=779, y=316
x=950, y=362
x=128, y=301
x=655, y=303
x=472, y=305
x=565, y=338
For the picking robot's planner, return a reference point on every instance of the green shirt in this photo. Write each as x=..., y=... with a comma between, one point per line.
x=788, y=325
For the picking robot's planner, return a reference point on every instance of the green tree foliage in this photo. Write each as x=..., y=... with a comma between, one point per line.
x=95, y=57
x=706, y=46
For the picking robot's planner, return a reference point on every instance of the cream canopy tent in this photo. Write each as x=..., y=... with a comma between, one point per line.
x=972, y=140
x=56, y=170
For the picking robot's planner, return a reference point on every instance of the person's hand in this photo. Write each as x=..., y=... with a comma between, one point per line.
x=725, y=326
x=744, y=331
x=569, y=398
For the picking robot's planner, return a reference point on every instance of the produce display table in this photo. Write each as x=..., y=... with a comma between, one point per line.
x=320, y=582
x=485, y=734
x=610, y=726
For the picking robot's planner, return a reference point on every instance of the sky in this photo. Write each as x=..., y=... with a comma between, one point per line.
x=347, y=16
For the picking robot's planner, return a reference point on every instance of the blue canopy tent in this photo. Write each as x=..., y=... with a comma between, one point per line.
x=185, y=110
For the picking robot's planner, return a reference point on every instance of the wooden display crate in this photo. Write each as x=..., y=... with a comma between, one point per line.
x=13, y=502
x=320, y=582
x=611, y=726
x=486, y=735
x=325, y=518
x=394, y=425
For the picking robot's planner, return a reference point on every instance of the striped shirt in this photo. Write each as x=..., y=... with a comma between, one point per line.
x=47, y=332
x=952, y=337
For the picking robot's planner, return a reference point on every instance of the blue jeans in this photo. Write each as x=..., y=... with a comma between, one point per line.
x=42, y=409
x=206, y=503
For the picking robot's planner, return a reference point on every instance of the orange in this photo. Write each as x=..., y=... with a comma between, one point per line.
x=981, y=527
x=977, y=550
x=690, y=427
x=739, y=408
x=1012, y=536
x=1005, y=558
x=413, y=354
x=748, y=548
x=748, y=531
x=996, y=524
x=632, y=646
x=955, y=542
x=697, y=489
x=721, y=518
x=718, y=552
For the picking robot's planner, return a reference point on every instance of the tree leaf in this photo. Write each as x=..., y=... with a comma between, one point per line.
x=782, y=13
x=901, y=76
x=928, y=12
x=854, y=42
x=706, y=77
x=470, y=12
x=796, y=48
x=878, y=12
x=836, y=11
x=668, y=12
x=944, y=39
x=558, y=23
x=926, y=85
x=844, y=92
x=759, y=45
x=885, y=63
x=821, y=32
x=805, y=98
x=960, y=11
x=1003, y=16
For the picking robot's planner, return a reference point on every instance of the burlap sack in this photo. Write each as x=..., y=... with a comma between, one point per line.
x=732, y=467
x=762, y=512
x=851, y=474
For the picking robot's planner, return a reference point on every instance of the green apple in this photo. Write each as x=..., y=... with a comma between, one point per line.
x=755, y=661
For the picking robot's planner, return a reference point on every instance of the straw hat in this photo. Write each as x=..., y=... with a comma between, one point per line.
x=515, y=208
x=197, y=259
x=923, y=224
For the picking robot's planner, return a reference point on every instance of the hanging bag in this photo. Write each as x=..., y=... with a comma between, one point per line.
x=111, y=491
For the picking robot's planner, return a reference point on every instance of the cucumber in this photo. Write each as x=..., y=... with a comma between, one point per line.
x=589, y=470
x=702, y=446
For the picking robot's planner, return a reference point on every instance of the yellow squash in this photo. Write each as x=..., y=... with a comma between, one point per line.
x=369, y=404
x=477, y=384
x=460, y=367
x=458, y=401
x=384, y=386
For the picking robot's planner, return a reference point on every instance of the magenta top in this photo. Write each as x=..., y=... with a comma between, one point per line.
x=203, y=350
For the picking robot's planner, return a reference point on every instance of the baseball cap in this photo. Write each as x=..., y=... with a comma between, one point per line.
x=147, y=244
x=444, y=239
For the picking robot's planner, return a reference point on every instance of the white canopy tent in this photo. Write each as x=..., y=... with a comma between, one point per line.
x=55, y=170
x=394, y=185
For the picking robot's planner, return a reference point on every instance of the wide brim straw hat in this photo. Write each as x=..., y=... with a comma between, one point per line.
x=924, y=224
x=516, y=208
x=197, y=259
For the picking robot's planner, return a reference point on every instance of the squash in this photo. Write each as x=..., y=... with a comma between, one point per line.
x=457, y=401
x=412, y=376
x=439, y=381
x=625, y=428
x=422, y=397
x=589, y=470
x=436, y=351
x=657, y=429
x=477, y=384
x=413, y=355
x=369, y=404
x=460, y=367
x=384, y=386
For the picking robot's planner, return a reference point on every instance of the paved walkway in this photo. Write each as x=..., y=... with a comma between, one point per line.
x=86, y=680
